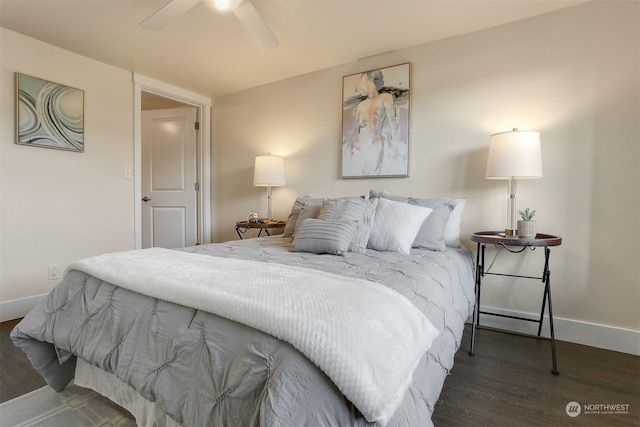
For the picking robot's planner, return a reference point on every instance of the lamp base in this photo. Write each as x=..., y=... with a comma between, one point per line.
x=510, y=233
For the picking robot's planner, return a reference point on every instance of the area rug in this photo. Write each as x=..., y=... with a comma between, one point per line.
x=73, y=407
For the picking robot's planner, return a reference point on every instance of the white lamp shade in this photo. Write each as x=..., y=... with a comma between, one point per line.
x=269, y=171
x=515, y=154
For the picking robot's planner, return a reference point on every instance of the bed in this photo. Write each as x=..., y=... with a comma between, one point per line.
x=159, y=351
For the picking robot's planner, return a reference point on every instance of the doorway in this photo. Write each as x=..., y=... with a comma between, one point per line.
x=166, y=220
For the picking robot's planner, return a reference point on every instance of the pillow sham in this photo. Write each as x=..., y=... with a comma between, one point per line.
x=395, y=225
x=321, y=236
x=356, y=210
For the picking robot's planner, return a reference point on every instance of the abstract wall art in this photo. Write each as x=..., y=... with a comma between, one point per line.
x=49, y=114
x=375, y=123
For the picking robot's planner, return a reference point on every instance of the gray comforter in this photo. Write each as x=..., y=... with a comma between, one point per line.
x=203, y=369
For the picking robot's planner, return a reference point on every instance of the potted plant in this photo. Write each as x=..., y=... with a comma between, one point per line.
x=527, y=226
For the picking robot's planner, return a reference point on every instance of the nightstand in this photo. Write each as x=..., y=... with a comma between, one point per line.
x=243, y=226
x=515, y=245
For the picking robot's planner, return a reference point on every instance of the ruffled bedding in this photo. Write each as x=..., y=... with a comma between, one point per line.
x=204, y=369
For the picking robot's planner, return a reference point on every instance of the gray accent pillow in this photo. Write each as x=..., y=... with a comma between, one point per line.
x=432, y=233
x=321, y=236
x=356, y=210
x=308, y=210
x=292, y=220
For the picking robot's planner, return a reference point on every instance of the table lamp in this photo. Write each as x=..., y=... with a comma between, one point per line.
x=514, y=155
x=269, y=172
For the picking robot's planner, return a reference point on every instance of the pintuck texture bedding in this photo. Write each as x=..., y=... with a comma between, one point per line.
x=205, y=369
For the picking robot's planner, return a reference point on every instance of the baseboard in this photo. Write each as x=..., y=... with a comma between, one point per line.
x=18, y=308
x=585, y=333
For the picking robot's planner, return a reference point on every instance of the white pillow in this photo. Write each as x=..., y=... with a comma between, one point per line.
x=396, y=225
x=431, y=233
x=452, y=229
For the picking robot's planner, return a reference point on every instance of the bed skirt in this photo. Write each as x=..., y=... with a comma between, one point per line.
x=147, y=414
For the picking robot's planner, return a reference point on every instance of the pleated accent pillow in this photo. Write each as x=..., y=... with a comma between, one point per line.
x=292, y=220
x=356, y=210
x=309, y=210
x=321, y=236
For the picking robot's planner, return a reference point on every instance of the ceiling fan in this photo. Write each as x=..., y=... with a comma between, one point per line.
x=243, y=9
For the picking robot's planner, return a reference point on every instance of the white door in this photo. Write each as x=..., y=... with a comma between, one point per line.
x=169, y=178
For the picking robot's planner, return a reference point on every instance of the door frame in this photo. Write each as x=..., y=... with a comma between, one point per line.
x=203, y=152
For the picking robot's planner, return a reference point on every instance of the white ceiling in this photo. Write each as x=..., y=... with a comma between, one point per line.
x=210, y=53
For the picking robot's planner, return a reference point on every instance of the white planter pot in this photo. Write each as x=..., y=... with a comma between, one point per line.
x=527, y=229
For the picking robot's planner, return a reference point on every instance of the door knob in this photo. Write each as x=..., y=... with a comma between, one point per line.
x=145, y=199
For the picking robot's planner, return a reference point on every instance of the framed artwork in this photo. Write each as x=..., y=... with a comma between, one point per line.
x=49, y=114
x=375, y=123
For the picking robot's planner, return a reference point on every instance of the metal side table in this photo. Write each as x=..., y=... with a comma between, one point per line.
x=515, y=245
x=243, y=226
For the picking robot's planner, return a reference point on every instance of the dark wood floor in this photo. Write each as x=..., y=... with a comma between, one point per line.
x=507, y=383
x=17, y=377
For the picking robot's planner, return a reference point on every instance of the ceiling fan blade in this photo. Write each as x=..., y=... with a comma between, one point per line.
x=255, y=25
x=167, y=13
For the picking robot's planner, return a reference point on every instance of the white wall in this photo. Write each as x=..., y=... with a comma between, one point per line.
x=572, y=75
x=58, y=206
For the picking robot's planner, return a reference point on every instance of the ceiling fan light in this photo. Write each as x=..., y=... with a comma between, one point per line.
x=226, y=5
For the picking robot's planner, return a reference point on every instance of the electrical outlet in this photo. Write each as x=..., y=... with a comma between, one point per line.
x=54, y=272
